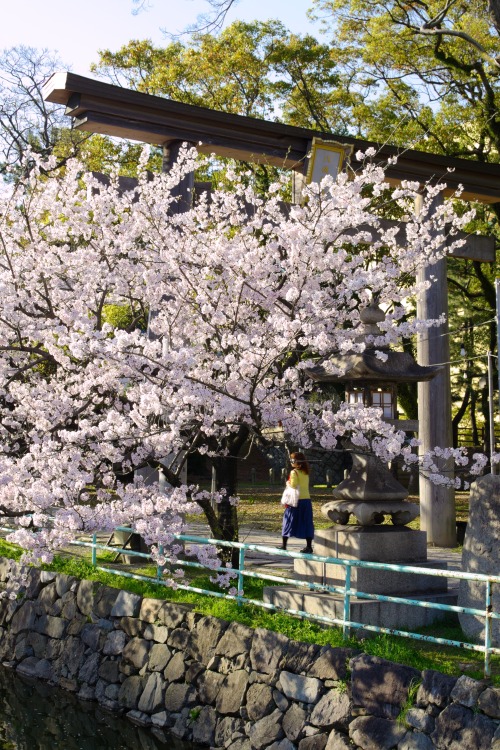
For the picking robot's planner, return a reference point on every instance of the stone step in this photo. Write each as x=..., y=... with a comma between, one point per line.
x=383, y=614
x=371, y=580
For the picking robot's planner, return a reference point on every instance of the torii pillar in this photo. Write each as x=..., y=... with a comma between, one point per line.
x=437, y=502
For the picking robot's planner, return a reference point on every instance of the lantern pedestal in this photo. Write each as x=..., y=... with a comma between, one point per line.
x=384, y=544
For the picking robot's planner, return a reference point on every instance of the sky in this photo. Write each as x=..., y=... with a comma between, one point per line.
x=78, y=28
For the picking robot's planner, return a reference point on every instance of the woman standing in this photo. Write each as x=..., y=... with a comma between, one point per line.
x=298, y=522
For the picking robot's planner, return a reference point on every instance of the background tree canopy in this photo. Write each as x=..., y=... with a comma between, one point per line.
x=438, y=63
x=255, y=69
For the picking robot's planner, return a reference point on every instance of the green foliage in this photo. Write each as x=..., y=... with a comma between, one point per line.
x=11, y=551
x=429, y=73
x=101, y=154
x=428, y=76
x=123, y=317
x=255, y=69
x=26, y=121
x=410, y=701
x=397, y=649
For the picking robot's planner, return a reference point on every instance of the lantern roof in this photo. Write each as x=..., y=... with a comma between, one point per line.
x=375, y=364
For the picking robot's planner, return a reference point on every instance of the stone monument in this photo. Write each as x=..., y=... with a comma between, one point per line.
x=481, y=554
x=371, y=492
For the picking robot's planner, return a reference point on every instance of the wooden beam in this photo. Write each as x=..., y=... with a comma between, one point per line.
x=104, y=108
x=476, y=247
x=407, y=425
x=213, y=142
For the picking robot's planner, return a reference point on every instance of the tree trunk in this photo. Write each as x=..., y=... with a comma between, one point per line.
x=460, y=414
x=485, y=410
x=226, y=468
x=473, y=420
x=224, y=521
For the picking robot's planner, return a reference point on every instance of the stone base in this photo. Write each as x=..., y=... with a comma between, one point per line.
x=383, y=614
x=372, y=543
x=383, y=544
x=372, y=581
x=133, y=542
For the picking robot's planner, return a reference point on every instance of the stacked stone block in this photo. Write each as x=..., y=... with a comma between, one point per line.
x=224, y=685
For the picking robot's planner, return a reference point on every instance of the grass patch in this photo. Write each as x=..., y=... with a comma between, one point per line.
x=260, y=508
x=410, y=701
x=425, y=655
x=12, y=551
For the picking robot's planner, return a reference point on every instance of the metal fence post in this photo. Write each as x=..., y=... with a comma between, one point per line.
x=159, y=568
x=347, y=602
x=94, y=550
x=241, y=566
x=487, y=631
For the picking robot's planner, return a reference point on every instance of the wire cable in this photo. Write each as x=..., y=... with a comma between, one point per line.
x=458, y=330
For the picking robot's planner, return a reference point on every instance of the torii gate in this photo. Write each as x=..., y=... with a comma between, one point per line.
x=99, y=107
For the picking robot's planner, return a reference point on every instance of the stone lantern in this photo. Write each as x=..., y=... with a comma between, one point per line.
x=371, y=492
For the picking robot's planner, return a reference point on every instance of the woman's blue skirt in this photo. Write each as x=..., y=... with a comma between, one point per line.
x=298, y=521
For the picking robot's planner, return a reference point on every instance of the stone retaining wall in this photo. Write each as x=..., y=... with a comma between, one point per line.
x=224, y=685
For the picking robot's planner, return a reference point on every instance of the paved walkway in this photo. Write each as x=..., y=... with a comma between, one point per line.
x=277, y=563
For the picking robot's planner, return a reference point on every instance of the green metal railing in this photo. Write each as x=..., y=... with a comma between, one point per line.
x=345, y=591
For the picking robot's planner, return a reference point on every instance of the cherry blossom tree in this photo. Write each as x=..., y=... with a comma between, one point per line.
x=242, y=295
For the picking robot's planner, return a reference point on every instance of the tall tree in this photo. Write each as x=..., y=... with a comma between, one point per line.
x=420, y=73
x=429, y=71
x=256, y=69
x=27, y=122
x=437, y=59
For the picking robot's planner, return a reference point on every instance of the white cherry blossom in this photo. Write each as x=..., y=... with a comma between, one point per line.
x=241, y=296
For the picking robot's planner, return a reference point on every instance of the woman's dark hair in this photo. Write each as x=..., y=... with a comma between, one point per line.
x=300, y=460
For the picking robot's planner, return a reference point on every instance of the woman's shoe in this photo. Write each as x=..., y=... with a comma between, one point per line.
x=306, y=551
